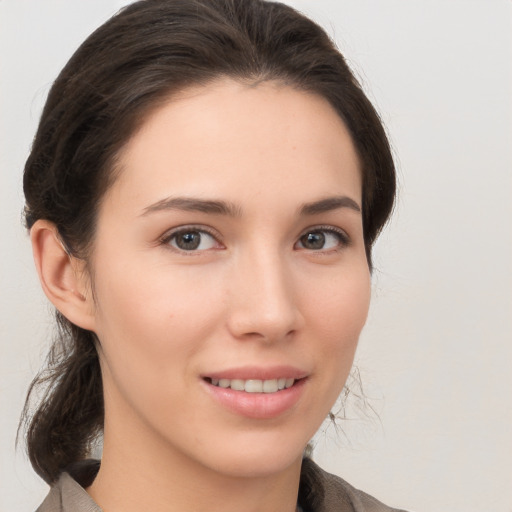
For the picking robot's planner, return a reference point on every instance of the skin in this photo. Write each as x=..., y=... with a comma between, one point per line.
x=252, y=294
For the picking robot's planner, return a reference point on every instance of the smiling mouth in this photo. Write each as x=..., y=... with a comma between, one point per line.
x=253, y=385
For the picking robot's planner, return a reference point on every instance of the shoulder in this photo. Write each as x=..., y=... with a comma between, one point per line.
x=68, y=494
x=322, y=492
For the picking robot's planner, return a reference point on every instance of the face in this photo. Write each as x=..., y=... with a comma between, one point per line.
x=230, y=277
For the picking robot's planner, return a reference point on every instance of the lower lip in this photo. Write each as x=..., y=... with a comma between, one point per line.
x=257, y=405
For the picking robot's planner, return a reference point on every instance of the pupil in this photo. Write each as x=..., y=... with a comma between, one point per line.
x=314, y=240
x=188, y=241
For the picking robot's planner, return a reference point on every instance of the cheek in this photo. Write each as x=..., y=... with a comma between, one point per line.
x=338, y=315
x=138, y=296
x=150, y=321
x=340, y=303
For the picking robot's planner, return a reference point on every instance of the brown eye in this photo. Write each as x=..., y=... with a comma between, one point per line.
x=322, y=239
x=315, y=240
x=192, y=240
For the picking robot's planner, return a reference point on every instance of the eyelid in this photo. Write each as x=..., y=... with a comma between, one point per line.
x=201, y=228
x=345, y=239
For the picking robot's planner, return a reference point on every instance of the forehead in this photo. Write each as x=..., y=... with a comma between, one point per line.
x=238, y=140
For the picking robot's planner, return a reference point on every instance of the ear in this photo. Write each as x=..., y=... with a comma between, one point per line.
x=63, y=277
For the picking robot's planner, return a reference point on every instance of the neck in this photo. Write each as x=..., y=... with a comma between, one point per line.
x=141, y=473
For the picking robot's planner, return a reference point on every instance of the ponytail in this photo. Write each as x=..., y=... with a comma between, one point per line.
x=69, y=416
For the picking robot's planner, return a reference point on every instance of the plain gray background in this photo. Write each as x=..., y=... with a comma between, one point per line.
x=436, y=355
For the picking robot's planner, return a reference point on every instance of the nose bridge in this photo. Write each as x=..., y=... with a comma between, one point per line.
x=264, y=301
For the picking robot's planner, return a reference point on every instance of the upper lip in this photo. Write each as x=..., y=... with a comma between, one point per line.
x=258, y=373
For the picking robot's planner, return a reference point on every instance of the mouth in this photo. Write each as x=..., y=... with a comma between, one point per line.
x=253, y=385
x=259, y=399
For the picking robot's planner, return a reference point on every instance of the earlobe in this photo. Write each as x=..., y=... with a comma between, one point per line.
x=62, y=275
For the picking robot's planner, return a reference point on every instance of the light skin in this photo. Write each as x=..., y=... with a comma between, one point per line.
x=230, y=244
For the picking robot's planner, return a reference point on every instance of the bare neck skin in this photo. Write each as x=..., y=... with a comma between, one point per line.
x=159, y=478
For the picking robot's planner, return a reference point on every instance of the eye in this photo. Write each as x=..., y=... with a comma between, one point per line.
x=191, y=240
x=322, y=240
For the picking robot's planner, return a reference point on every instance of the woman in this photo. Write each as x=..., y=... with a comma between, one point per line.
x=203, y=193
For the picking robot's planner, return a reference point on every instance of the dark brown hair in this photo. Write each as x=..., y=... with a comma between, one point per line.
x=125, y=69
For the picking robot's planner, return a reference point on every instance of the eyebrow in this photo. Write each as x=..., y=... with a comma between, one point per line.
x=329, y=204
x=216, y=207
x=191, y=204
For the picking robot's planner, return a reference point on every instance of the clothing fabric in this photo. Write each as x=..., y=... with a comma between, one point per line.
x=319, y=491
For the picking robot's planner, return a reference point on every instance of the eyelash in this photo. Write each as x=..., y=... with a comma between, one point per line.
x=343, y=238
x=170, y=235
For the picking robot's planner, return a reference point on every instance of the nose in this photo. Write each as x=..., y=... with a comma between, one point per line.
x=263, y=299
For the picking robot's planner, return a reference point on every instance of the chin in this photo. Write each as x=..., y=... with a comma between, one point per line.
x=257, y=458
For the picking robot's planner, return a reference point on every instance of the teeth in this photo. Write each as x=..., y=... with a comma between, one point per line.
x=237, y=384
x=270, y=386
x=254, y=385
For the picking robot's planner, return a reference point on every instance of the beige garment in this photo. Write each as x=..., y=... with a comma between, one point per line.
x=67, y=495
x=318, y=492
